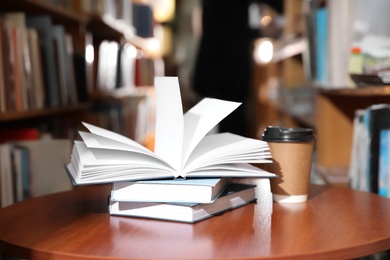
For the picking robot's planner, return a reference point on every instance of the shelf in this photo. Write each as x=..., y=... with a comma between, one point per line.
x=106, y=27
x=357, y=92
x=43, y=113
x=335, y=113
x=288, y=50
x=35, y=7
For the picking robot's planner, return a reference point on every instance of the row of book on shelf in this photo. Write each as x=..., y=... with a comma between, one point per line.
x=130, y=12
x=369, y=168
x=117, y=9
x=190, y=173
x=38, y=66
x=355, y=59
x=32, y=166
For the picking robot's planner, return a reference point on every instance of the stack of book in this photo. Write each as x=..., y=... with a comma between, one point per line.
x=185, y=156
x=189, y=200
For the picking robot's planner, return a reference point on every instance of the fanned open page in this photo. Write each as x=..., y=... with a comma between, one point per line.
x=200, y=119
x=169, y=121
x=183, y=147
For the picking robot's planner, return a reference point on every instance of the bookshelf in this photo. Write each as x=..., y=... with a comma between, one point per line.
x=44, y=113
x=61, y=122
x=334, y=140
x=86, y=30
x=332, y=107
x=337, y=99
x=73, y=25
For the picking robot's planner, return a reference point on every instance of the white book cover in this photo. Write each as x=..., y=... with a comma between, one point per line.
x=202, y=190
x=183, y=146
x=235, y=195
x=6, y=183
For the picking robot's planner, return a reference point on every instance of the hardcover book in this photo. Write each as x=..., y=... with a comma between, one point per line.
x=178, y=190
x=235, y=195
x=183, y=146
x=43, y=25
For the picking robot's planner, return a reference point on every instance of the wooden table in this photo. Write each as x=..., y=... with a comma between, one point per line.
x=336, y=223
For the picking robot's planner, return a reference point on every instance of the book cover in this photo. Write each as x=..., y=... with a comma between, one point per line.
x=6, y=183
x=183, y=146
x=46, y=173
x=81, y=77
x=70, y=72
x=107, y=66
x=384, y=166
x=60, y=54
x=7, y=71
x=379, y=120
x=170, y=190
x=44, y=27
x=321, y=45
x=3, y=104
x=235, y=195
x=359, y=152
x=142, y=19
x=18, y=134
x=339, y=40
x=37, y=83
x=15, y=23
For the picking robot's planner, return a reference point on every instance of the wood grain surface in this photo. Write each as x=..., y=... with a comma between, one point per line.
x=335, y=223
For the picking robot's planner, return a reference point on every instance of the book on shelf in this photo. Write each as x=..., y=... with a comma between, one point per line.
x=202, y=190
x=321, y=41
x=37, y=83
x=41, y=168
x=183, y=145
x=107, y=66
x=60, y=53
x=70, y=71
x=19, y=56
x=142, y=19
x=25, y=173
x=6, y=183
x=3, y=84
x=359, y=152
x=44, y=27
x=384, y=166
x=368, y=147
x=234, y=196
x=379, y=121
x=6, y=81
x=18, y=134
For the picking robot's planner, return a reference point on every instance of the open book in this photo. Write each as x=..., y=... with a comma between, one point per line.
x=183, y=146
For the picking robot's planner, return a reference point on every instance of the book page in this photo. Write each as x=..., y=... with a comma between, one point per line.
x=169, y=121
x=97, y=141
x=200, y=119
x=114, y=136
x=226, y=147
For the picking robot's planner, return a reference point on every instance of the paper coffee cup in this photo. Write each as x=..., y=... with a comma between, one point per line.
x=292, y=153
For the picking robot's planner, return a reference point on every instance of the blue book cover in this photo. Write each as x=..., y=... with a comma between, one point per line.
x=384, y=162
x=379, y=119
x=364, y=183
x=321, y=45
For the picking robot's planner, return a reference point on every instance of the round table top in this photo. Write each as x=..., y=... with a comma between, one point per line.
x=335, y=222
